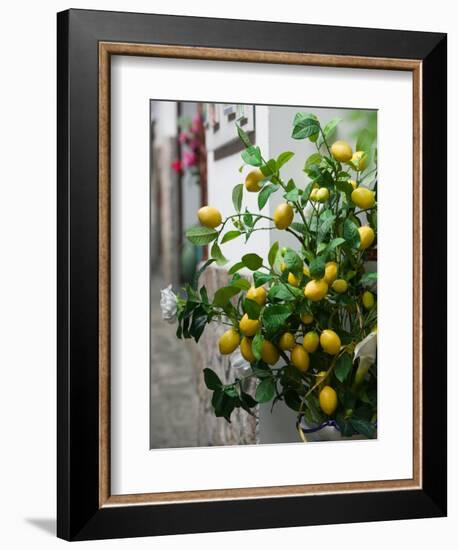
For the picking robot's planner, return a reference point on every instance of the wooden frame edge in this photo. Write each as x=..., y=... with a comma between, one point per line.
x=106, y=49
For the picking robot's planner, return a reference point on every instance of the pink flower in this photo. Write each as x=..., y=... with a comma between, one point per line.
x=189, y=159
x=183, y=137
x=177, y=166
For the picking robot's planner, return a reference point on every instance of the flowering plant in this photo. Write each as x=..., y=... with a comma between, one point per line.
x=305, y=319
x=190, y=139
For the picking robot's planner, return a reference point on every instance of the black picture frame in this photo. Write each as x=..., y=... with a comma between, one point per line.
x=80, y=516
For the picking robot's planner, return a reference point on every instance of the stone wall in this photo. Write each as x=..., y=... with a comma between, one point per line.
x=243, y=428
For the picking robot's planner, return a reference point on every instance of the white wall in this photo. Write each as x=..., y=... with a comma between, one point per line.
x=27, y=277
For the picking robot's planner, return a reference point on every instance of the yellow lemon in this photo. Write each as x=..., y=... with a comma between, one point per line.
x=228, y=341
x=300, y=358
x=368, y=300
x=363, y=197
x=311, y=341
x=307, y=318
x=282, y=267
x=246, y=350
x=366, y=236
x=330, y=342
x=341, y=151
x=257, y=294
x=330, y=272
x=253, y=180
x=269, y=353
x=353, y=184
x=248, y=326
x=292, y=279
x=328, y=400
x=313, y=194
x=316, y=290
x=360, y=160
x=340, y=286
x=286, y=341
x=306, y=271
x=209, y=216
x=322, y=195
x=283, y=216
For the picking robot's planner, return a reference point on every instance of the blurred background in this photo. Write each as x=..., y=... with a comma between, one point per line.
x=195, y=160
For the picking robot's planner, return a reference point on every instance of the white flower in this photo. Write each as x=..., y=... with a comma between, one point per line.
x=367, y=348
x=169, y=305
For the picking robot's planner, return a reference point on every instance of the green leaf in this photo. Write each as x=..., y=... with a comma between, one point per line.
x=252, y=309
x=248, y=219
x=272, y=256
x=365, y=141
x=265, y=390
x=368, y=278
x=237, y=195
x=298, y=226
x=312, y=160
x=201, y=235
x=265, y=193
x=284, y=292
x=343, y=183
x=317, y=266
x=329, y=248
x=230, y=235
x=236, y=267
x=261, y=278
x=256, y=345
x=363, y=427
x=305, y=125
x=351, y=233
x=326, y=222
x=224, y=294
x=283, y=158
x=306, y=193
x=247, y=400
x=270, y=168
x=252, y=261
x=252, y=156
x=293, y=262
x=329, y=129
x=199, y=320
x=293, y=195
x=292, y=400
x=243, y=136
x=275, y=317
x=241, y=283
x=217, y=254
x=223, y=404
x=343, y=367
x=212, y=380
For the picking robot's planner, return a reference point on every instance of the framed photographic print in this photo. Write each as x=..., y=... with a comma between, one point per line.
x=252, y=274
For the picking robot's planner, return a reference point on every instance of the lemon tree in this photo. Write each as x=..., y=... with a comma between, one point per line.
x=303, y=316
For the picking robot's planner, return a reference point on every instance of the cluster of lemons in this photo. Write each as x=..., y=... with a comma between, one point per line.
x=314, y=289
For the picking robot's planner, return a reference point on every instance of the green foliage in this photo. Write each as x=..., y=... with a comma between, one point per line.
x=324, y=231
x=217, y=255
x=283, y=158
x=265, y=193
x=305, y=125
x=201, y=235
x=237, y=196
x=230, y=235
x=265, y=390
x=252, y=261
